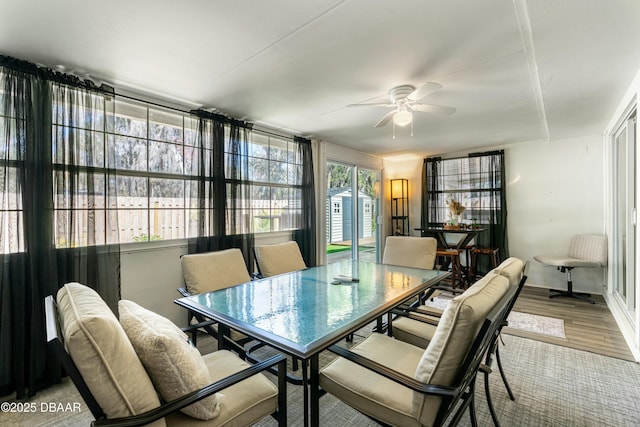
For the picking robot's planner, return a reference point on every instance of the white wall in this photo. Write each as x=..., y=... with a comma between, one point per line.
x=150, y=277
x=555, y=190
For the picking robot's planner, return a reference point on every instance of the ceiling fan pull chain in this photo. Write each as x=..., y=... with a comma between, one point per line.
x=412, y=128
x=394, y=131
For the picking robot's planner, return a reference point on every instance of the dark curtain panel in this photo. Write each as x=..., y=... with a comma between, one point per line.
x=206, y=194
x=220, y=196
x=491, y=173
x=42, y=215
x=84, y=187
x=27, y=256
x=429, y=193
x=305, y=233
x=238, y=203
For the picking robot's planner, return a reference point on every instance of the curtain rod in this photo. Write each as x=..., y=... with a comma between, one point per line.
x=51, y=75
x=133, y=98
x=478, y=154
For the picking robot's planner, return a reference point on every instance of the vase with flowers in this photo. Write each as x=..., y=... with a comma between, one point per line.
x=455, y=212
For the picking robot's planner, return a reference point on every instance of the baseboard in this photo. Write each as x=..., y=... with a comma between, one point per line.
x=626, y=327
x=575, y=289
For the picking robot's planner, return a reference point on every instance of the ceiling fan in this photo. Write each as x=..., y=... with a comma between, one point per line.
x=403, y=99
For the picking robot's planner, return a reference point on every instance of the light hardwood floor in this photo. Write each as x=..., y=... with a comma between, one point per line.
x=589, y=327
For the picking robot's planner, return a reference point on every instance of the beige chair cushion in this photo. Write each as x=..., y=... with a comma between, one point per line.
x=174, y=365
x=420, y=334
x=279, y=258
x=214, y=270
x=418, y=252
x=103, y=354
x=456, y=331
x=369, y=392
x=589, y=248
x=244, y=404
x=511, y=268
x=413, y=331
x=585, y=250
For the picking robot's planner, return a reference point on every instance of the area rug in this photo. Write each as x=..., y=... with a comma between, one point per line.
x=532, y=323
x=542, y=325
x=554, y=386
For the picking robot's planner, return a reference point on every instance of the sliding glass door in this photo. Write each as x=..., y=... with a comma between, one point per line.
x=368, y=230
x=352, y=212
x=623, y=260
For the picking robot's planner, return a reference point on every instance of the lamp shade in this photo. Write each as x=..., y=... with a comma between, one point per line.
x=402, y=118
x=399, y=188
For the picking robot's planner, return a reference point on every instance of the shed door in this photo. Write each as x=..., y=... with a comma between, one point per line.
x=347, y=232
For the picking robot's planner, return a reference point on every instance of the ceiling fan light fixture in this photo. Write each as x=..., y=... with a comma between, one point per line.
x=402, y=118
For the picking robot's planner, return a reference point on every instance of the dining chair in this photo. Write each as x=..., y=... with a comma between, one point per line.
x=419, y=325
x=585, y=251
x=278, y=258
x=211, y=271
x=408, y=251
x=416, y=325
x=397, y=383
x=416, y=330
x=142, y=369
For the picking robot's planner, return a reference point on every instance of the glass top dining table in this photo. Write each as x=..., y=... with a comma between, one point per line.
x=303, y=312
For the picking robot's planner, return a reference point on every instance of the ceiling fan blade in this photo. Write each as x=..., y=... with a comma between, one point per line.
x=385, y=119
x=430, y=108
x=375, y=104
x=424, y=90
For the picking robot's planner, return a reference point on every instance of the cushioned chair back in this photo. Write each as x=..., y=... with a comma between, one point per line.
x=214, y=270
x=511, y=268
x=55, y=341
x=278, y=258
x=103, y=354
x=418, y=252
x=442, y=360
x=589, y=247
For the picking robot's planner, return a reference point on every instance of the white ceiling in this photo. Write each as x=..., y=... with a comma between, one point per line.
x=516, y=70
